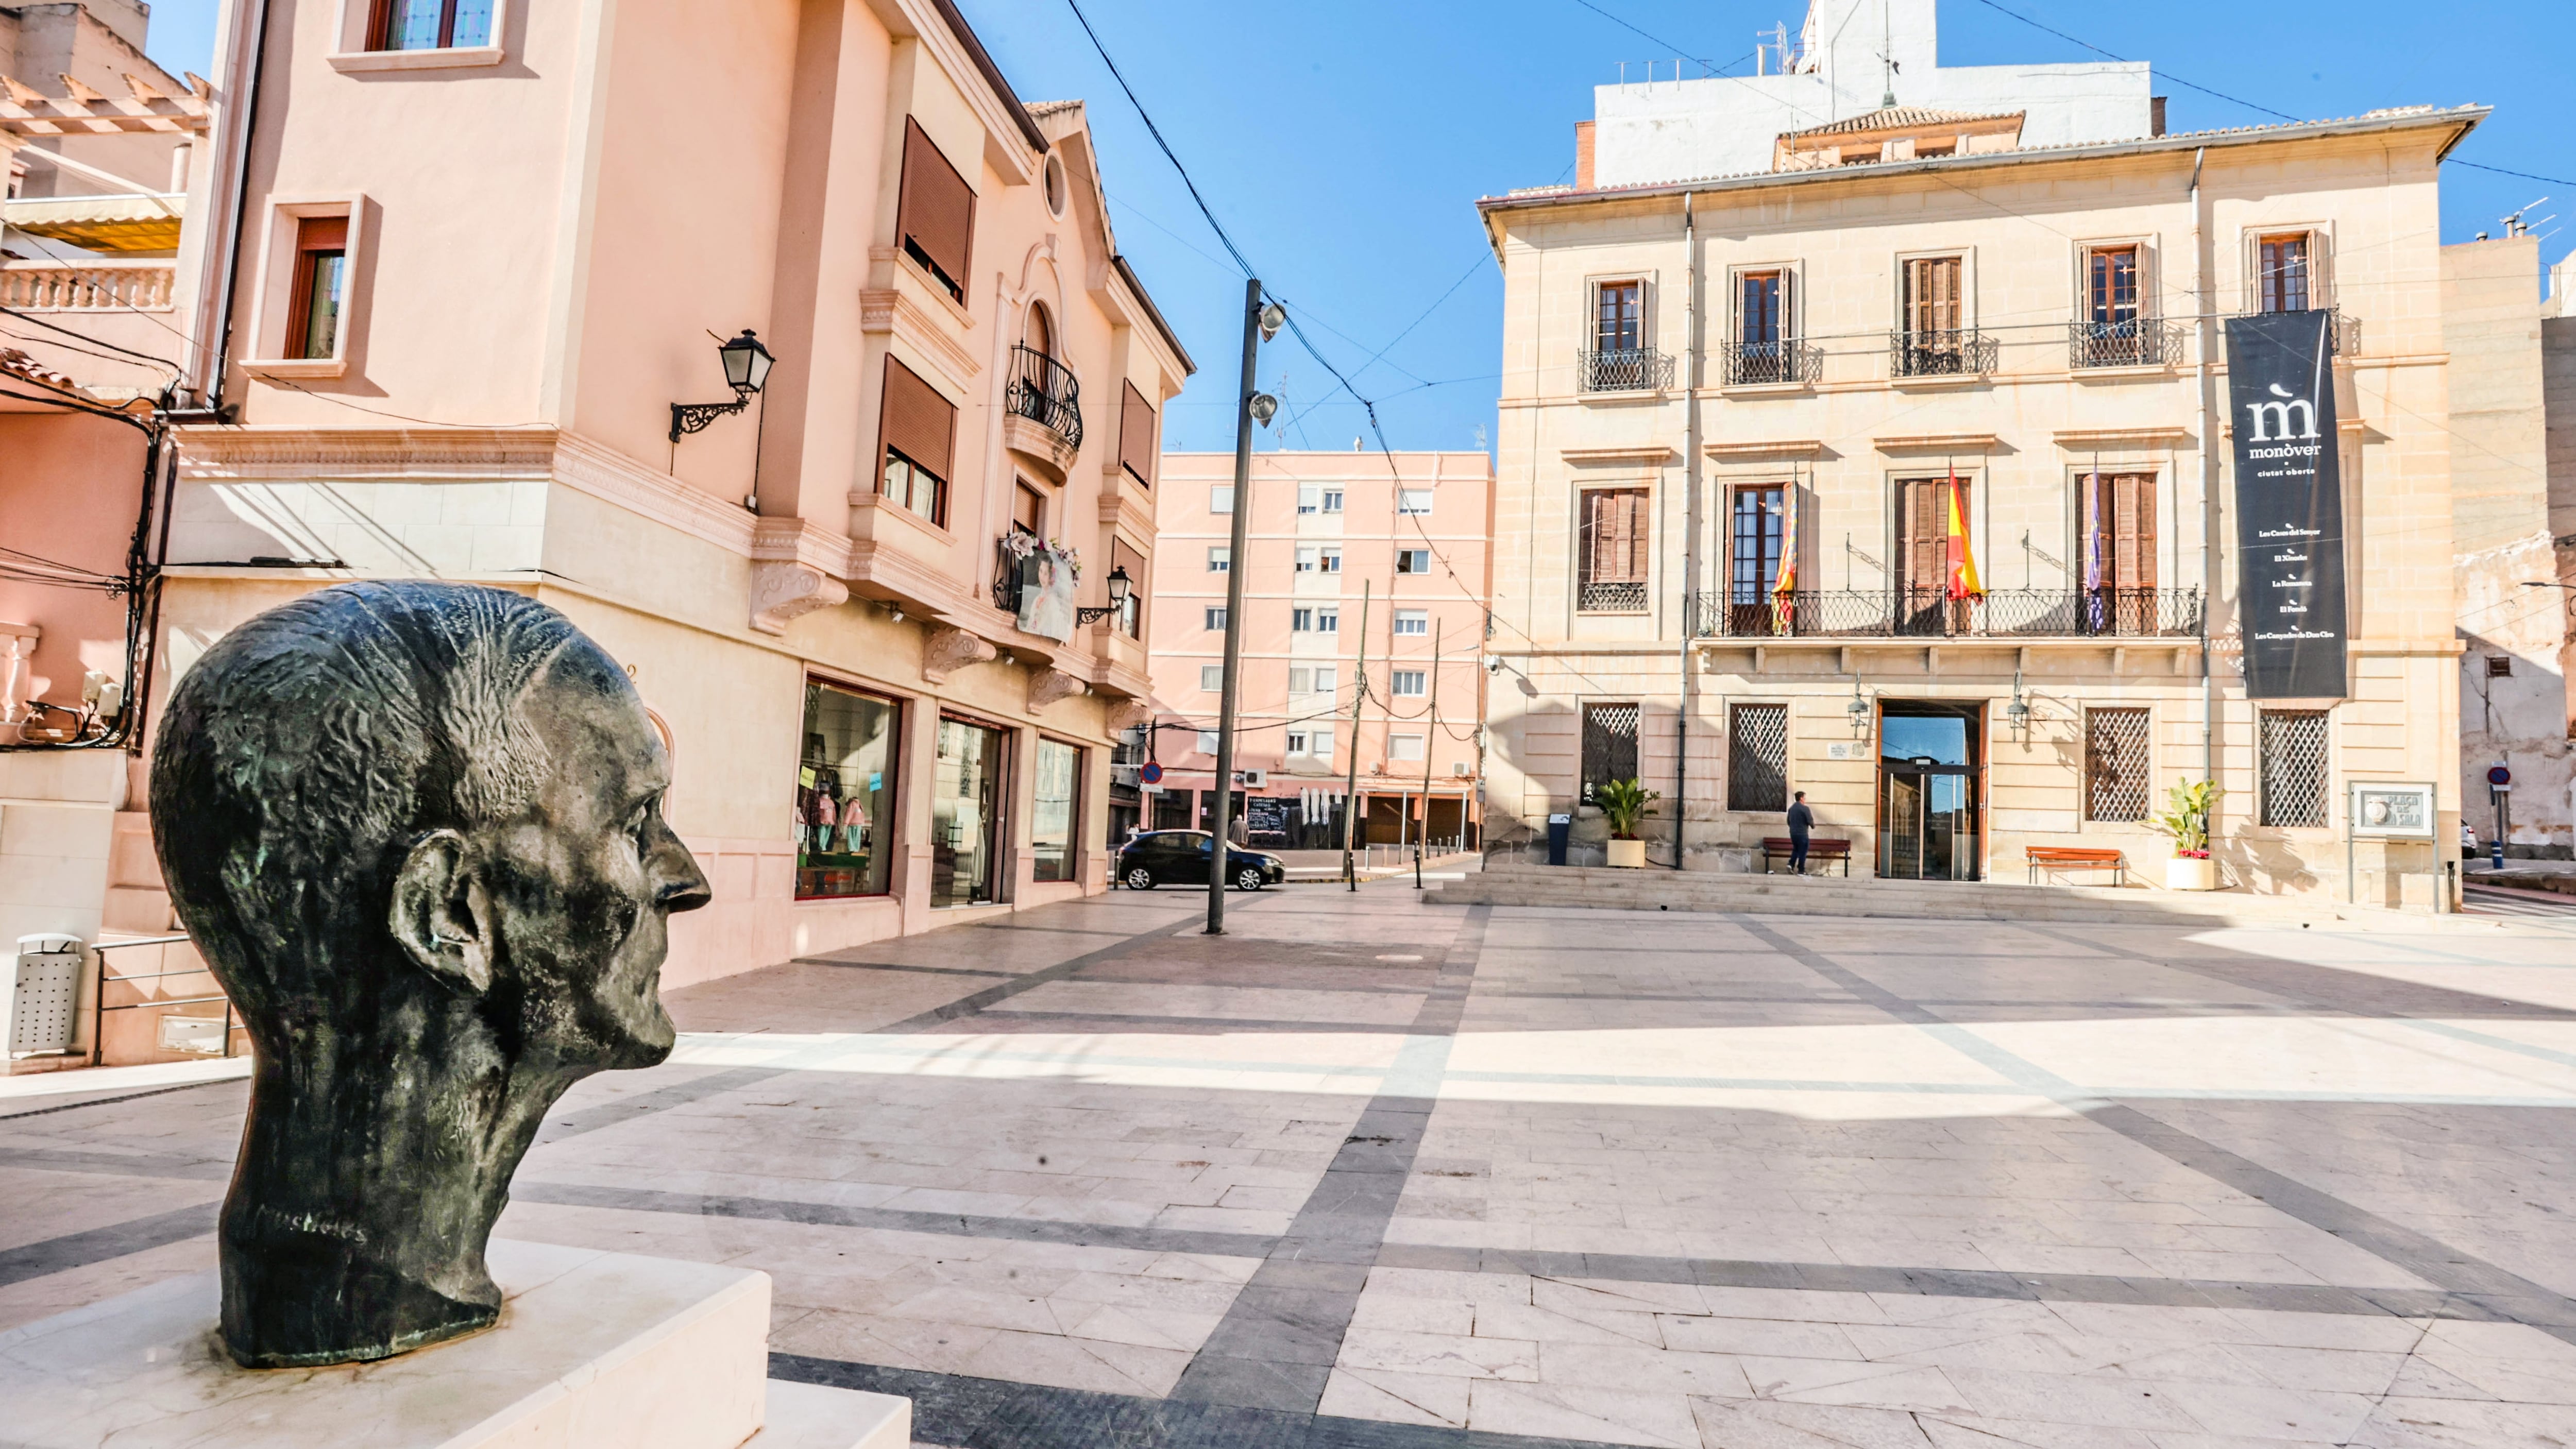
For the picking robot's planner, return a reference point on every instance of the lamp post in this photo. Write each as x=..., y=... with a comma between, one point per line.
x=1119, y=587
x=746, y=368
x=1260, y=324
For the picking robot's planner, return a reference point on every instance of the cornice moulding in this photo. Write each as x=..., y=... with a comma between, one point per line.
x=612, y=477
x=214, y=453
x=889, y=309
x=1655, y=455
x=1779, y=448
x=2078, y=440
x=1939, y=443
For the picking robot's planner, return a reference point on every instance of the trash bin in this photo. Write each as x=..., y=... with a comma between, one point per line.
x=44, y=1003
x=1560, y=829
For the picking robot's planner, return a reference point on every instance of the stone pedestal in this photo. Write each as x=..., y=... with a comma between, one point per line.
x=593, y=1351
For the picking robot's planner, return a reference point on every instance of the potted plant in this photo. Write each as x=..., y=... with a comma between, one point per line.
x=2186, y=819
x=1622, y=802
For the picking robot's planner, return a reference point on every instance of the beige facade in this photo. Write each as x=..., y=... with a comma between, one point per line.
x=1345, y=555
x=1822, y=352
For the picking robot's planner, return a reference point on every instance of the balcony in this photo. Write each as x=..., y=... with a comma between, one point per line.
x=1758, y=364
x=1913, y=614
x=2343, y=334
x=85, y=287
x=1043, y=390
x=1623, y=369
x=1967, y=353
x=2139, y=342
x=1624, y=597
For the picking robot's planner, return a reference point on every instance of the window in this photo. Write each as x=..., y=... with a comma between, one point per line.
x=2116, y=764
x=1413, y=621
x=1619, y=323
x=919, y=428
x=1306, y=558
x=1324, y=679
x=2281, y=283
x=1757, y=763
x=844, y=788
x=1219, y=558
x=935, y=211
x=1309, y=498
x=1135, y=431
x=1028, y=510
x=1404, y=747
x=2111, y=286
x=1332, y=500
x=1329, y=560
x=1932, y=295
x=2119, y=514
x=1221, y=500
x=1411, y=500
x=1923, y=556
x=1615, y=534
x=1315, y=621
x=1301, y=679
x=1207, y=742
x=1216, y=617
x=429, y=24
x=1131, y=618
x=1413, y=560
x=321, y=279
x=2291, y=744
x=966, y=813
x=1296, y=742
x=1761, y=317
x=1757, y=533
x=1055, y=809
x=1319, y=743
x=1409, y=683
x=1609, y=746
x=1211, y=677
x=2499, y=666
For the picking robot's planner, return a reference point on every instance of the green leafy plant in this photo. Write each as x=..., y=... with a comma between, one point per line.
x=2186, y=817
x=1622, y=802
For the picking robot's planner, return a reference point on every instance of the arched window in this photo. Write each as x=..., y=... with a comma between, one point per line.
x=1039, y=335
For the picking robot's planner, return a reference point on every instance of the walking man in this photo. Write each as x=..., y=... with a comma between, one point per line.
x=1801, y=821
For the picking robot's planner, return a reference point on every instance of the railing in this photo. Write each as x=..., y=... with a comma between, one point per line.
x=1006, y=575
x=1909, y=613
x=1611, y=598
x=2139, y=342
x=1043, y=390
x=1748, y=364
x=83, y=287
x=2343, y=337
x=1967, y=353
x=1624, y=369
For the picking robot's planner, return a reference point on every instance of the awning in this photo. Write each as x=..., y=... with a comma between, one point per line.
x=104, y=223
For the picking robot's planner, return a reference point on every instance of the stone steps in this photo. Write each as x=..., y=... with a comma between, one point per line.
x=1601, y=887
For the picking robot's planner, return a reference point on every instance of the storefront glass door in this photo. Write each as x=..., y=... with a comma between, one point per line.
x=966, y=815
x=1927, y=770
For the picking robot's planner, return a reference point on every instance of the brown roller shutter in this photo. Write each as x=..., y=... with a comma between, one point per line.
x=1136, y=434
x=916, y=421
x=936, y=215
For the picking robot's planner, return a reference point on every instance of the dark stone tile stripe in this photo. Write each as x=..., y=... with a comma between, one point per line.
x=124, y=1097
x=112, y=1164
x=2332, y=988
x=896, y=966
x=1276, y=1345
x=117, y=1240
x=644, y=1104
x=961, y=1225
x=971, y=1413
x=1196, y=1024
x=994, y=995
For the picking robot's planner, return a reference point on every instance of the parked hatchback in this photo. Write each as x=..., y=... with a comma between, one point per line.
x=1180, y=857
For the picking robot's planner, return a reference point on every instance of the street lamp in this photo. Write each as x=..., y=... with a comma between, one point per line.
x=1119, y=587
x=1261, y=322
x=746, y=368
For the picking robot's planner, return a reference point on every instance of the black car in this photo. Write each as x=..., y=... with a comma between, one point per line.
x=1180, y=857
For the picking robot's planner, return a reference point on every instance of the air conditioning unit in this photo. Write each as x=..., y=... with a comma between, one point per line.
x=1123, y=774
x=1253, y=779
x=1460, y=769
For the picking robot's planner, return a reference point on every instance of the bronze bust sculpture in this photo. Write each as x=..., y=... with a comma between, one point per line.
x=416, y=830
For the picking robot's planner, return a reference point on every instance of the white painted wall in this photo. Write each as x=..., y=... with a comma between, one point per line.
x=1654, y=132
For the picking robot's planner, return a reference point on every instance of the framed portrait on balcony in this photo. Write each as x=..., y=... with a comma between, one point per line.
x=1046, y=594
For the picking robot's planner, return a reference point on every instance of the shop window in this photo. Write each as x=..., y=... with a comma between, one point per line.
x=966, y=814
x=1053, y=819
x=1609, y=746
x=844, y=794
x=2291, y=754
x=2116, y=764
x=1757, y=757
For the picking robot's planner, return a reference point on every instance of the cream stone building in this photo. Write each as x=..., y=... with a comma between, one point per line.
x=1753, y=424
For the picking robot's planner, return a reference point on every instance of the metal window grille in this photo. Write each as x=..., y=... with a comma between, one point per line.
x=1609, y=745
x=2293, y=760
x=1757, y=757
x=2116, y=764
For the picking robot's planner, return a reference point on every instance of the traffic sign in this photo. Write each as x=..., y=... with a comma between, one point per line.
x=1150, y=773
x=2498, y=777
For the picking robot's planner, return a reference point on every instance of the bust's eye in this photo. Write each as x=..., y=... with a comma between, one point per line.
x=641, y=823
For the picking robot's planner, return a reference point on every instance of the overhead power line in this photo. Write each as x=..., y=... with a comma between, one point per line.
x=1157, y=133
x=2124, y=60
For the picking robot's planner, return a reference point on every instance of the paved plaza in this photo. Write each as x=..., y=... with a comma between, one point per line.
x=1375, y=1173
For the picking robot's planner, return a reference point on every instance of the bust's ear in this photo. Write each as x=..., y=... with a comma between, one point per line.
x=441, y=913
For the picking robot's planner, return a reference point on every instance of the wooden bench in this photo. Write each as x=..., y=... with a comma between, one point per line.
x=2076, y=857
x=1819, y=848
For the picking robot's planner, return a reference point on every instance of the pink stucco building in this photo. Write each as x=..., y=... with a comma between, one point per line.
x=1347, y=555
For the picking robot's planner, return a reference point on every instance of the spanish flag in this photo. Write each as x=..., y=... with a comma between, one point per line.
x=1787, y=582
x=1963, y=564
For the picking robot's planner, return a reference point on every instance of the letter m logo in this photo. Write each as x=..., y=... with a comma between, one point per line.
x=2280, y=417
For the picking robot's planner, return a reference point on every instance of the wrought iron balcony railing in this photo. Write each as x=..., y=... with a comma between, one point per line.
x=1043, y=390
x=2343, y=338
x=1623, y=369
x=1967, y=353
x=1907, y=613
x=2139, y=342
x=1612, y=598
x=1748, y=364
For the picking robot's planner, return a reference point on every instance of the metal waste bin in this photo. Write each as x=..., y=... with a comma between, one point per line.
x=44, y=1003
x=1560, y=829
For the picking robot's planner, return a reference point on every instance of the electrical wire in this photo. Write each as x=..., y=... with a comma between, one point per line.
x=2124, y=60
x=1157, y=133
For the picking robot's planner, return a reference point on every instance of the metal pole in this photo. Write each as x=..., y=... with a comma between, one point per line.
x=2202, y=335
x=1690, y=531
x=1218, y=864
x=1351, y=800
x=1430, y=734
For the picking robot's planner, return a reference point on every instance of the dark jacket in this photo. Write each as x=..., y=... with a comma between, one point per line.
x=1801, y=820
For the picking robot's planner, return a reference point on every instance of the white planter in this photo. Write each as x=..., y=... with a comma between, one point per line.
x=1628, y=854
x=2183, y=873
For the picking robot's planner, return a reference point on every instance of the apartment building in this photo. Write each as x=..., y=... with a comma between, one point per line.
x=1882, y=451
x=1357, y=566
x=488, y=316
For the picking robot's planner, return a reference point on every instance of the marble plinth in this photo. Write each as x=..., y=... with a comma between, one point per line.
x=594, y=1350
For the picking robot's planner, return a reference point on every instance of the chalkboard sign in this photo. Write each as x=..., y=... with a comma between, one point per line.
x=1265, y=815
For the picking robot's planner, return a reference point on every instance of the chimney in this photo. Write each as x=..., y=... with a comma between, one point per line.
x=2155, y=115
x=1583, y=155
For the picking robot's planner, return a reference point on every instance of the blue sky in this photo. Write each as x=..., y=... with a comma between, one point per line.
x=1343, y=144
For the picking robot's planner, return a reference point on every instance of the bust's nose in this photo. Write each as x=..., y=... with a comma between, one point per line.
x=678, y=884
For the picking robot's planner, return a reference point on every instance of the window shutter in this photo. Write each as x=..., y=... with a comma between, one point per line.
x=936, y=211
x=916, y=421
x=321, y=233
x=1136, y=434
x=1637, y=533
x=2134, y=522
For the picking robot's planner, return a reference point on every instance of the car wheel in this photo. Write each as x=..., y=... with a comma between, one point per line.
x=1248, y=878
x=1140, y=879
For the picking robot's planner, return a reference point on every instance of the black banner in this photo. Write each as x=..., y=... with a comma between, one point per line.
x=2289, y=504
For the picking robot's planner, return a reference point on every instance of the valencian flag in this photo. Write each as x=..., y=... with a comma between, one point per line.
x=1963, y=564
x=1784, y=587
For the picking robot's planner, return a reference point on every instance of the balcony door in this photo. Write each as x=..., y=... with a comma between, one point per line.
x=1923, y=556
x=1753, y=562
x=2119, y=512
x=1620, y=320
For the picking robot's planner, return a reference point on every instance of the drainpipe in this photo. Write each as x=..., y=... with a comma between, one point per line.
x=212, y=349
x=1690, y=531
x=2201, y=342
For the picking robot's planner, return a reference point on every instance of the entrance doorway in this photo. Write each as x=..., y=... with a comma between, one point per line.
x=1930, y=824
